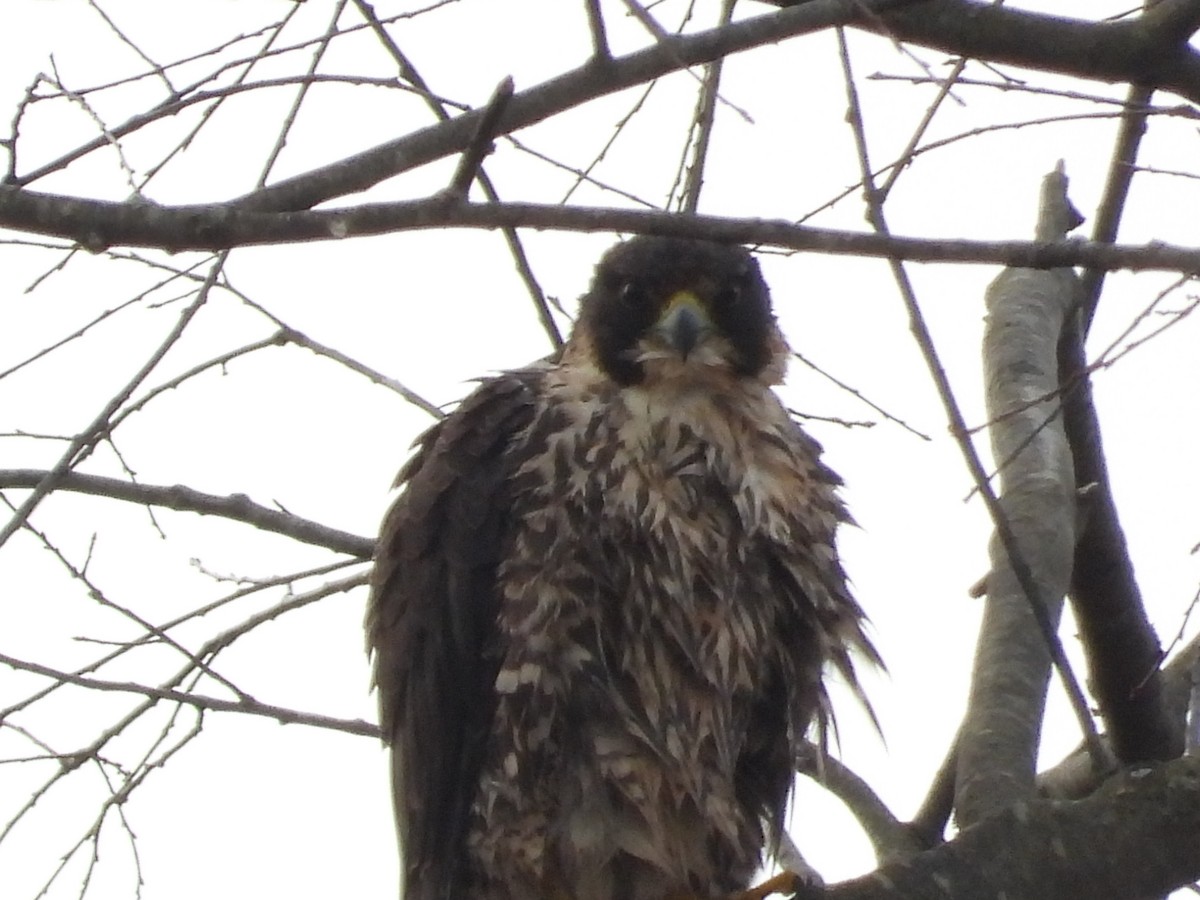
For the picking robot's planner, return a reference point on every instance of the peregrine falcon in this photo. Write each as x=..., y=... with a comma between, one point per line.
x=604, y=598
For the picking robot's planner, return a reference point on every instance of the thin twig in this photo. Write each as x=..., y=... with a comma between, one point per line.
x=152, y=630
x=1116, y=191
x=132, y=45
x=109, y=138
x=515, y=248
x=857, y=394
x=600, y=49
x=200, y=701
x=704, y=120
x=289, y=335
x=237, y=507
x=98, y=427
x=581, y=176
x=904, y=159
x=220, y=603
x=617, y=131
x=664, y=39
x=289, y=120
x=245, y=68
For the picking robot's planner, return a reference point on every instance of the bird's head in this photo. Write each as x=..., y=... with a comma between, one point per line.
x=678, y=307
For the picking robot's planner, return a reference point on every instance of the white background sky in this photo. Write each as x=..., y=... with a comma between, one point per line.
x=253, y=808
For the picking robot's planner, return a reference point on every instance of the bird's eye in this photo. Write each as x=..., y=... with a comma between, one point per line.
x=730, y=296
x=631, y=295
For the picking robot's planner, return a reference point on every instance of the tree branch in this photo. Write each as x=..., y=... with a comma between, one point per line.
x=1121, y=645
x=1128, y=51
x=1073, y=776
x=83, y=443
x=889, y=837
x=237, y=507
x=199, y=701
x=998, y=742
x=1136, y=837
x=1150, y=49
x=98, y=224
x=471, y=161
x=598, y=77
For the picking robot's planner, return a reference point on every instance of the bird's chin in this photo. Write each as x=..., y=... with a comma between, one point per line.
x=703, y=363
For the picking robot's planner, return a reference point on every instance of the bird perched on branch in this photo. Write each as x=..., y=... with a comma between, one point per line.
x=603, y=601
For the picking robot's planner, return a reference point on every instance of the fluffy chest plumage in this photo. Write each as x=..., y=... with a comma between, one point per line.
x=639, y=508
x=642, y=629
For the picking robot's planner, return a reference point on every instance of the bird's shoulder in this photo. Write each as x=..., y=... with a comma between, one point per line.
x=441, y=539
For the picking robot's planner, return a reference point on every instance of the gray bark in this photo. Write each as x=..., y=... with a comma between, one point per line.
x=1026, y=311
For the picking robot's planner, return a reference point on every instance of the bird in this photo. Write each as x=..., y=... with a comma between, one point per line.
x=604, y=598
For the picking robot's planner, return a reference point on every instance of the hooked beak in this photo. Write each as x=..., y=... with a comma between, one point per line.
x=683, y=323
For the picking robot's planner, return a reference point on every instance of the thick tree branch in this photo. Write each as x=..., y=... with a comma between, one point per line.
x=1150, y=50
x=1143, y=50
x=998, y=742
x=1136, y=837
x=598, y=77
x=1121, y=645
x=1074, y=776
x=237, y=507
x=1123, y=51
x=1147, y=50
x=97, y=224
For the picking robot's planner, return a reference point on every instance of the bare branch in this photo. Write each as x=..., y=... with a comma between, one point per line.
x=600, y=49
x=1116, y=190
x=289, y=120
x=481, y=141
x=86, y=439
x=858, y=395
x=1143, y=50
x=98, y=224
x=281, y=714
x=931, y=818
x=997, y=746
x=1136, y=837
x=500, y=101
x=361, y=171
x=237, y=507
x=703, y=123
x=1121, y=645
x=889, y=837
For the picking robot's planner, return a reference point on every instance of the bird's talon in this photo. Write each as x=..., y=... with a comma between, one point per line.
x=784, y=883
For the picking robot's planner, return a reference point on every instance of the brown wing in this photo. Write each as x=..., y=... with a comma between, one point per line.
x=431, y=611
